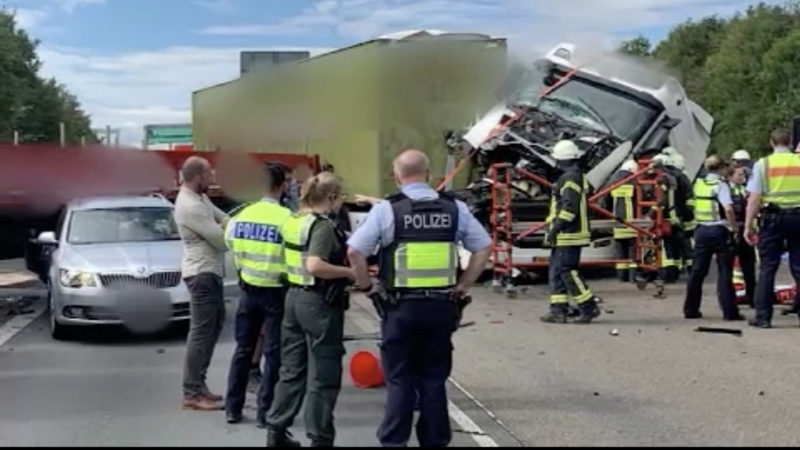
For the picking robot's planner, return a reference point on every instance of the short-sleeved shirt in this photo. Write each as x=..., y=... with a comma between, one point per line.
x=377, y=231
x=322, y=241
x=723, y=197
x=756, y=182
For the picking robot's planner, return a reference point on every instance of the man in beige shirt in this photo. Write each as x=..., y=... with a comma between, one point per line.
x=201, y=226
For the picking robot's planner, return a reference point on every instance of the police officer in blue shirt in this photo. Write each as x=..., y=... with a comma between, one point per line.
x=417, y=230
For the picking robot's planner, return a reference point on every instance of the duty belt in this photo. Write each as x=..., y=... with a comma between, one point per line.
x=423, y=294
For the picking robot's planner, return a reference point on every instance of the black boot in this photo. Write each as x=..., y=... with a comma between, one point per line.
x=280, y=438
x=589, y=311
x=558, y=314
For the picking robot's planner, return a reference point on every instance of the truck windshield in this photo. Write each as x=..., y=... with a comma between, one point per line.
x=105, y=226
x=584, y=103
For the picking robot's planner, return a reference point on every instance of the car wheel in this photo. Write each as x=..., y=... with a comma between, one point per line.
x=57, y=331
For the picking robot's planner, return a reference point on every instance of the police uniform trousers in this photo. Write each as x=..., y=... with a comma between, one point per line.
x=259, y=309
x=565, y=279
x=312, y=348
x=747, y=262
x=712, y=240
x=416, y=354
x=779, y=232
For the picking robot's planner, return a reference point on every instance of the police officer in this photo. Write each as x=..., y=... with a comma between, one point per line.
x=417, y=230
x=746, y=272
x=312, y=330
x=567, y=233
x=713, y=237
x=774, y=184
x=254, y=240
x=683, y=226
x=622, y=207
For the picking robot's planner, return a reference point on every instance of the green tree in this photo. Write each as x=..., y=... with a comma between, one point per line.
x=733, y=93
x=687, y=48
x=638, y=46
x=28, y=103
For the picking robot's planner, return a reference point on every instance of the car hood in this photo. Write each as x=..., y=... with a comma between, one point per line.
x=135, y=257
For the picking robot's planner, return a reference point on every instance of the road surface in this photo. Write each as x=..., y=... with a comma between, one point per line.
x=516, y=381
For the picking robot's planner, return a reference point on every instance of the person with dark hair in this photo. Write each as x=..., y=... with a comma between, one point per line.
x=254, y=238
x=716, y=226
x=775, y=186
x=201, y=225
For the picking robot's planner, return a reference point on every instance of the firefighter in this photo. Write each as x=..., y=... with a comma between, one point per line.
x=622, y=199
x=254, y=239
x=567, y=233
x=670, y=269
x=741, y=158
x=683, y=224
x=713, y=205
x=746, y=272
x=775, y=184
x=417, y=295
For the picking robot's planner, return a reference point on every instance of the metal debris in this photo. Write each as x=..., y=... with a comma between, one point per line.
x=731, y=331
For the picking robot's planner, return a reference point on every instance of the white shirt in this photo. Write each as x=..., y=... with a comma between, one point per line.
x=200, y=225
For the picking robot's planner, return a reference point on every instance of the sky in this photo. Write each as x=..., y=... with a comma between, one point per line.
x=136, y=62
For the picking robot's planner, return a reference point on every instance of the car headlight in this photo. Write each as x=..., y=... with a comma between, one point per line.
x=77, y=278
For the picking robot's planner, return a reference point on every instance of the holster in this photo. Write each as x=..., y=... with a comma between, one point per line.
x=335, y=294
x=461, y=305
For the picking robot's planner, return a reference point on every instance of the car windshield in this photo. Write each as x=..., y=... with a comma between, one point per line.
x=105, y=226
x=587, y=104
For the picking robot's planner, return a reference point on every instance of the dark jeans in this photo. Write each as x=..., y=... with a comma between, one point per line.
x=259, y=309
x=311, y=358
x=416, y=355
x=747, y=261
x=709, y=241
x=565, y=278
x=207, y=310
x=779, y=232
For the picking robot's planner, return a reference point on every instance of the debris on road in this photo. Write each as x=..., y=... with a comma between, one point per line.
x=760, y=393
x=731, y=331
x=497, y=322
x=614, y=332
x=161, y=351
x=609, y=311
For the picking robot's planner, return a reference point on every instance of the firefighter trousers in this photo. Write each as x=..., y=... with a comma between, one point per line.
x=565, y=278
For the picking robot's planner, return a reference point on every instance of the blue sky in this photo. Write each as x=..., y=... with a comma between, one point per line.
x=135, y=62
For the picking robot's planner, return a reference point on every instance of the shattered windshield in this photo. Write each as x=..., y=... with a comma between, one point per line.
x=586, y=104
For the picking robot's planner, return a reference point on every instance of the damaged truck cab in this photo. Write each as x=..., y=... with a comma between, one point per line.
x=611, y=105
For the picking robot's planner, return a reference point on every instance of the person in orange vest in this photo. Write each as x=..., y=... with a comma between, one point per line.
x=775, y=187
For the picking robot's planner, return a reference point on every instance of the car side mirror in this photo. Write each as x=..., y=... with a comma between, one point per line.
x=47, y=238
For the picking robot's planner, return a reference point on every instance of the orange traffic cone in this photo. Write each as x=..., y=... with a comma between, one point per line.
x=365, y=370
x=738, y=281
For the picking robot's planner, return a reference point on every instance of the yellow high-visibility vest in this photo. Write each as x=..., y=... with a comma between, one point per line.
x=706, y=205
x=255, y=240
x=296, y=232
x=780, y=175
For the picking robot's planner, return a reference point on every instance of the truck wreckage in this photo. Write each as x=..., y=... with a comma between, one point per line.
x=611, y=106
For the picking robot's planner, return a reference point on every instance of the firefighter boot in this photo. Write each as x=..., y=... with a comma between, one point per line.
x=558, y=314
x=589, y=312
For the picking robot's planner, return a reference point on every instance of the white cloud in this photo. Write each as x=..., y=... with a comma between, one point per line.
x=71, y=5
x=30, y=18
x=131, y=90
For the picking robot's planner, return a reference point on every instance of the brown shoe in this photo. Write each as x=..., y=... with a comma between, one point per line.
x=200, y=403
x=205, y=393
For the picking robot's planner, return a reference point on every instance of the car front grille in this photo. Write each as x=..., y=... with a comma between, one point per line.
x=160, y=280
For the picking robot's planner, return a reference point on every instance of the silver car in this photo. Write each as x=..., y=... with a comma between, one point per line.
x=114, y=261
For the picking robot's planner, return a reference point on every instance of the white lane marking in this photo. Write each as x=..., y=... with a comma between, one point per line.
x=458, y=416
x=15, y=325
x=467, y=425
